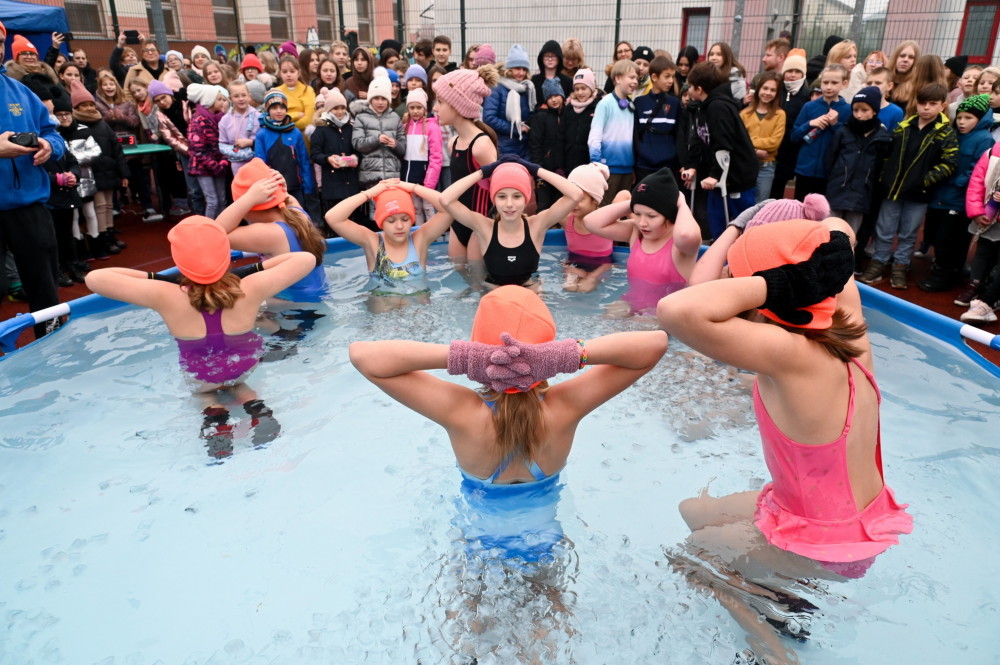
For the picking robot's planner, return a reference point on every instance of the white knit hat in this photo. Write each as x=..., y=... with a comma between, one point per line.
x=380, y=87
x=417, y=96
x=203, y=94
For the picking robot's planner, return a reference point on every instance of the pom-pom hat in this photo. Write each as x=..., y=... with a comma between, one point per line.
x=200, y=249
x=814, y=207
x=796, y=59
x=778, y=244
x=464, y=90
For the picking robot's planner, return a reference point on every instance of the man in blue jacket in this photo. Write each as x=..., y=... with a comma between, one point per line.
x=26, y=228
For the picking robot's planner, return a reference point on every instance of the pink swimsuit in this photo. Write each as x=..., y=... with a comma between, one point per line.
x=651, y=276
x=591, y=245
x=809, y=507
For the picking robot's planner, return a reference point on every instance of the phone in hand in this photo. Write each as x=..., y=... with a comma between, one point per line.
x=131, y=36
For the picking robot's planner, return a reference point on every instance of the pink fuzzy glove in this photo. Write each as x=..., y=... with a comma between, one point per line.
x=473, y=359
x=521, y=365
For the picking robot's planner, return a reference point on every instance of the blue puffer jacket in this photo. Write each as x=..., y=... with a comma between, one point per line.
x=495, y=115
x=950, y=194
x=21, y=182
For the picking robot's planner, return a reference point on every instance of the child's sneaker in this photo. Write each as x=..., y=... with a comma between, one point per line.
x=979, y=312
x=873, y=273
x=968, y=294
x=923, y=251
x=151, y=216
x=898, y=277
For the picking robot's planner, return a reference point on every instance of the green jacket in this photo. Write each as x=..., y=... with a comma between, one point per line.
x=934, y=163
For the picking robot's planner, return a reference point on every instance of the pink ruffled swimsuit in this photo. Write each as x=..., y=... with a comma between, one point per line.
x=651, y=276
x=809, y=507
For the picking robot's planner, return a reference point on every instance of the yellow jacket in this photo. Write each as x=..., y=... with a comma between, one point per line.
x=765, y=134
x=301, y=104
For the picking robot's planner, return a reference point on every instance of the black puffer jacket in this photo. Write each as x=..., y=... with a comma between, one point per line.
x=328, y=140
x=854, y=162
x=574, y=128
x=544, y=143
x=110, y=167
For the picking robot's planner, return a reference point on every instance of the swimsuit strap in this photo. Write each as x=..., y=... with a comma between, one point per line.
x=503, y=467
x=878, y=395
x=213, y=322
x=536, y=471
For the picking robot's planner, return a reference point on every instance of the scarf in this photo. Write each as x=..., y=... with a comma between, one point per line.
x=146, y=106
x=862, y=127
x=267, y=123
x=793, y=87
x=513, y=111
x=580, y=107
x=331, y=119
x=87, y=117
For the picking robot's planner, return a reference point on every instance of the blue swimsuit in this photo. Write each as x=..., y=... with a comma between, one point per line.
x=311, y=287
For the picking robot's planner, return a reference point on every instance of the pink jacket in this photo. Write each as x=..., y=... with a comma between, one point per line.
x=984, y=181
x=171, y=135
x=435, y=151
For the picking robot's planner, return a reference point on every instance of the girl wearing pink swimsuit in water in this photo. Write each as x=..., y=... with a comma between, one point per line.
x=663, y=238
x=817, y=406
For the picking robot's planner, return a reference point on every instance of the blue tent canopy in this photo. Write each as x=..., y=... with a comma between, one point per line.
x=36, y=22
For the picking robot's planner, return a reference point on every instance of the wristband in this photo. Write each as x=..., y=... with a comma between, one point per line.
x=583, y=353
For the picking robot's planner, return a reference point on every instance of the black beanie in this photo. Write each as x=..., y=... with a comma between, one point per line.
x=62, y=103
x=659, y=192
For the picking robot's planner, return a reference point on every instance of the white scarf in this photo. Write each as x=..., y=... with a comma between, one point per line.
x=793, y=87
x=513, y=110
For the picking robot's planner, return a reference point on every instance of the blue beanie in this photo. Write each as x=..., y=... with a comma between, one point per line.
x=393, y=75
x=517, y=57
x=552, y=87
x=416, y=72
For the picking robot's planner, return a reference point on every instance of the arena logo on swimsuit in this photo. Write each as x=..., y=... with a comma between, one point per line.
x=512, y=258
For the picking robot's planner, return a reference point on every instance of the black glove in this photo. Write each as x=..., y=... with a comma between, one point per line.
x=503, y=159
x=530, y=166
x=821, y=276
x=174, y=279
x=247, y=270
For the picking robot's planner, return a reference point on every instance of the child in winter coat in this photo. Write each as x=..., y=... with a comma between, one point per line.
x=170, y=134
x=855, y=158
x=280, y=143
x=814, y=130
x=945, y=226
x=110, y=170
x=379, y=136
x=64, y=202
x=511, y=103
x=924, y=154
x=424, y=151
x=544, y=141
x=656, y=120
x=86, y=151
x=238, y=128
x=982, y=202
x=331, y=150
x=206, y=160
x=574, y=124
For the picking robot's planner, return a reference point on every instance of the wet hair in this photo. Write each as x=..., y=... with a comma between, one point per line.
x=519, y=422
x=222, y=294
x=308, y=235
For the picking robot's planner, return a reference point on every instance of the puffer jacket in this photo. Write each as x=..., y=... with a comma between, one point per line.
x=110, y=167
x=203, y=144
x=63, y=197
x=950, y=194
x=122, y=117
x=984, y=181
x=378, y=161
x=509, y=141
x=853, y=161
x=935, y=161
x=574, y=128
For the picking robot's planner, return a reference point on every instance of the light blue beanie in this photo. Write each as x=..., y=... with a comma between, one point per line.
x=517, y=57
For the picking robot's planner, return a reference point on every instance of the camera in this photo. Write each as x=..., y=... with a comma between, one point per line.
x=24, y=139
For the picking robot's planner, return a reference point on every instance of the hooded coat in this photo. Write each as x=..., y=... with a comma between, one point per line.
x=818, y=62
x=718, y=126
x=950, y=194
x=378, y=161
x=853, y=162
x=551, y=46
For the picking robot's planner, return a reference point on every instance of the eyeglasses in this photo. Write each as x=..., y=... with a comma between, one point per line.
x=151, y=50
x=875, y=61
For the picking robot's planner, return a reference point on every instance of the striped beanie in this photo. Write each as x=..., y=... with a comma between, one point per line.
x=977, y=105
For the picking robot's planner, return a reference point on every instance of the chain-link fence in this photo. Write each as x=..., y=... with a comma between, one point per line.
x=944, y=27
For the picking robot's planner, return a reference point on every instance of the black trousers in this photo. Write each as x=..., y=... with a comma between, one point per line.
x=29, y=234
x=65, y=243
x=948, y=232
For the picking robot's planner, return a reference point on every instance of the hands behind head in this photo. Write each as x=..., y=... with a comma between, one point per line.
x=262, y=190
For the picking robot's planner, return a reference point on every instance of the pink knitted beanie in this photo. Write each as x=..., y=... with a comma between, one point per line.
x=464, y=90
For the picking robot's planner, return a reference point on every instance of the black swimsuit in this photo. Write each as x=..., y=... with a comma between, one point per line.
x=510, y=265
x=475, y=198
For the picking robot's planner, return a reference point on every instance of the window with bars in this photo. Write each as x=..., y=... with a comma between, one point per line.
x=169, y=18
x=365, y=22
x=324, y=20
x=280, y=26
x=225, y=19
x=84, y=17
x=694, y=31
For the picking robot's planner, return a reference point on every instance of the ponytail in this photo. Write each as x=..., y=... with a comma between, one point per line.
x=519, y=422
x=486, y=129
x=308, y=236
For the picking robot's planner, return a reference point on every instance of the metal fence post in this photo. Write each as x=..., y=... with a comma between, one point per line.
x=399, y=21
x=114, y=18
x=737, y=26
x=857, y=21
x=618, y=23
x=343, y=29
x=239, y=37
x=461, y=23
x=159, y=26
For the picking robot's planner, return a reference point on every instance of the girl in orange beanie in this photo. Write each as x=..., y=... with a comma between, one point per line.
x=210, y=311
x=397, y=254
x=277, y=225
x=513, y=240
x=792, y=314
